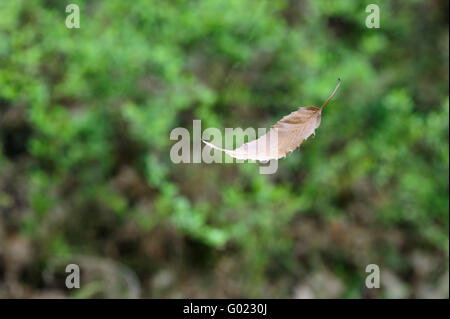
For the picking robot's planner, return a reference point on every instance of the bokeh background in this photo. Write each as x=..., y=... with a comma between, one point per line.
x=86, y=177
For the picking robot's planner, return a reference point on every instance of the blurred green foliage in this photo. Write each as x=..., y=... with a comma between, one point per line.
x=85, y=118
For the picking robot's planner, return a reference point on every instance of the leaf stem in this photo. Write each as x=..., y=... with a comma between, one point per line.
x=332, y=94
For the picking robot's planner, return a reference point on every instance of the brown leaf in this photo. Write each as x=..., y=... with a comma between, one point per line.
x=284, y=137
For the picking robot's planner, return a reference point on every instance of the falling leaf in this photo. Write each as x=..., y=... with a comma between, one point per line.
x=284, y=137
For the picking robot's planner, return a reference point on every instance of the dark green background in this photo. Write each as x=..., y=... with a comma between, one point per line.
x=85, y=173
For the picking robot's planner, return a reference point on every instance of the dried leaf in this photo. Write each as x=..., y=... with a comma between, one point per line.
x=284, y=137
